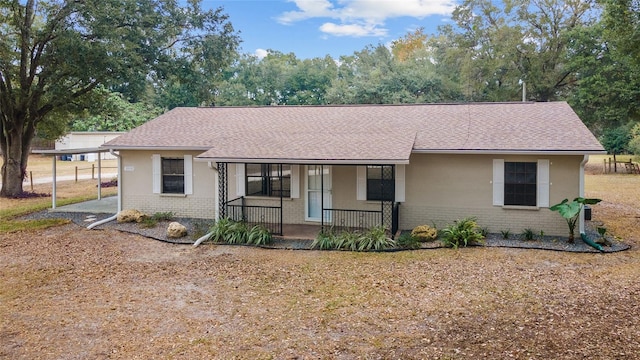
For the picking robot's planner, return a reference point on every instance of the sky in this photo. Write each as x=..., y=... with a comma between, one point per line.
x=316, y=28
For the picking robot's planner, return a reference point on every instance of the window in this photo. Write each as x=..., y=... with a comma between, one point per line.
x=380, y=183
x=272, y=180
x=172, y=176
x=520, y=183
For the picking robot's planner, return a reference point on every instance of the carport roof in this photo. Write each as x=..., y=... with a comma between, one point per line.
x=71, y=151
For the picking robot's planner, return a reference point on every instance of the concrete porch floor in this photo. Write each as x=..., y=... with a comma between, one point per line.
x=299, y=232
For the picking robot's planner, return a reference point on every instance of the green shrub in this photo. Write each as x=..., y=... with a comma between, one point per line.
x=237, y=233
x=220, y=229
x=484, y=231
x=148, y=222
x=324, y=241
x=259, y=235
x=424, y=233
x=528, y=234
x=505, y=234
x=407, y=241
x=349, y=240
x=376, y=239
x=163, y=216
x=462, y=233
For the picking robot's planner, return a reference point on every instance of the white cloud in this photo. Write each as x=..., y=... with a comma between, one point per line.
x=261, y=53
x=363, y=17
x=308, y=9
x=353, y=30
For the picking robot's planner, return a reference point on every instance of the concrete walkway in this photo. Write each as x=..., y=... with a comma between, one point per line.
x=107, y=205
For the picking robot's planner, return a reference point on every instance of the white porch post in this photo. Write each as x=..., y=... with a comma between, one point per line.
x=53, y=183
x=99, y=178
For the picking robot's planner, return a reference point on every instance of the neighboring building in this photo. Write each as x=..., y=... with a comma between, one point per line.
x=84, y=140
x=362, y=165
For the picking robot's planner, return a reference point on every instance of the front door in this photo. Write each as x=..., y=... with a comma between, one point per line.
x=318, y=177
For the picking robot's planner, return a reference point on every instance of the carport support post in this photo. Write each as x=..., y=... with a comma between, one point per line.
x=53, y=190
x=99, y=178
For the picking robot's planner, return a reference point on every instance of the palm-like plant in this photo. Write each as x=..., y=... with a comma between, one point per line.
x=571, y=210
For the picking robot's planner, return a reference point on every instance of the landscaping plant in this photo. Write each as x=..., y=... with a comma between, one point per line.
x=408, y=241
x=375, y=238
x=462, y=233
x=571, y=210
x=528, y=234
x=259, y=235
x=424, y=233
x=229, y=231
x=324, y=241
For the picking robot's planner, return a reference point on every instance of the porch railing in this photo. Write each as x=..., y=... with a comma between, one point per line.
x=349, y=219
x=267, y=216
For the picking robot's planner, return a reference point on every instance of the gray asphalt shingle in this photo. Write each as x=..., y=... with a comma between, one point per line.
x=363, y=132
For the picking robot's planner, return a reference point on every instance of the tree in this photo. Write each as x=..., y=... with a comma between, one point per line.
x=407, y=46
x=607, y=86
x=54, y=53
x=621, y=19
x=114, y=113
x=497, y=44
x=615, y=141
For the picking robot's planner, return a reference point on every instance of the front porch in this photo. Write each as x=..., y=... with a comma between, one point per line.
x=304, y=214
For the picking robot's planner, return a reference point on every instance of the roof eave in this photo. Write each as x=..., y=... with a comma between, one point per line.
x=508, y=152
x=307, y=161
x=155, y=148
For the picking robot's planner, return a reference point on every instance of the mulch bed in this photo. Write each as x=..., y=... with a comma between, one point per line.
x=198, y=227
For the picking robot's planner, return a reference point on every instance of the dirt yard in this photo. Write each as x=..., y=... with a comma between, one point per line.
x=71, y=293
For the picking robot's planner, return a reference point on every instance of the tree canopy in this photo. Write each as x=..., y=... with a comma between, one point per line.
x=54, y=53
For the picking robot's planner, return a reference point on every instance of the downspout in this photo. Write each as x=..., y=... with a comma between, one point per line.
x=111, y=218
x=215, y=182
x=581, y=191
x=119, y=178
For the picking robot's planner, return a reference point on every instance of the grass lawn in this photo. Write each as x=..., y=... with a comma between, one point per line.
x=67, y=292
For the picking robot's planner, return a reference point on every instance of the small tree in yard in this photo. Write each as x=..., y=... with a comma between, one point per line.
x=571, y=210
x=616, y=141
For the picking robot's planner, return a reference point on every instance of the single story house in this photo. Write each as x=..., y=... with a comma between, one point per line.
x=361, y=165
x=85, y=140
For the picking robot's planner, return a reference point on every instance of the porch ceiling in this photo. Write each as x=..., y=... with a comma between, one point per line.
x=359, y=147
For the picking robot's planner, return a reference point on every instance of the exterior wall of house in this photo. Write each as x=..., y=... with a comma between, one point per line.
x=444, y=188
x=137, y=187
x=439, y=189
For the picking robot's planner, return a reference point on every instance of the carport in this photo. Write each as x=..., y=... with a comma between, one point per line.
x=80, y=151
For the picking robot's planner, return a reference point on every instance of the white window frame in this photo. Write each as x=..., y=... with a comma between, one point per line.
x=241, y=180
x=156, y=166
x=361, y=183
x=542, y=183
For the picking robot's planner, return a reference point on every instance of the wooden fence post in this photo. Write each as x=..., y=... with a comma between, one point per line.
x=93, y=171
x=76, y=174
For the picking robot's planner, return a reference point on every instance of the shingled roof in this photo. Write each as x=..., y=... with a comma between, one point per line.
x=363, y=133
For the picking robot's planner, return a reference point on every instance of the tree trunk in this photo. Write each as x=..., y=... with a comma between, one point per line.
x=15, y=153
